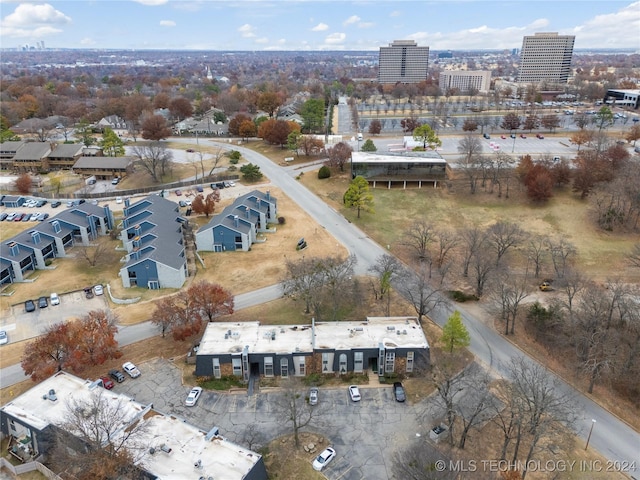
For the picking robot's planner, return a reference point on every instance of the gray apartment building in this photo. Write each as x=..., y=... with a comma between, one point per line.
x=547, y=57
x=403, y=61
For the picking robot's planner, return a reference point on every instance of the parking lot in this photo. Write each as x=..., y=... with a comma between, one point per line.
x=21, y=325
x=365, y=434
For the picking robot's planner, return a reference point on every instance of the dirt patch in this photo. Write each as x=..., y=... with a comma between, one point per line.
x=287, y=462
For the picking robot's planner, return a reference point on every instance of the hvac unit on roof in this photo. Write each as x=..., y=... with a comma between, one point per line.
x=391, y=328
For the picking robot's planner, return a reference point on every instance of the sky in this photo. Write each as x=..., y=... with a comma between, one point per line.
x=257, y=25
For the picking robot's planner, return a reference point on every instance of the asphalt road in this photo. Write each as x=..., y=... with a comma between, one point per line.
x=613, y=438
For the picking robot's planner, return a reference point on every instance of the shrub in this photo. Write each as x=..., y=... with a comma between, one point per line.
x=462, y=297
x=324, y=172
x=315, y=379
x=234, y=155
x=281, y=220
x=234, y=161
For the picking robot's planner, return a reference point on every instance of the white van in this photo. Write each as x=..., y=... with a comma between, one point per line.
x=360, y=137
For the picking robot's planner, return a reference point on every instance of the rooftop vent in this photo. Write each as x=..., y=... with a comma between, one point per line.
x=391, y=328
x=165, y=448
x=359, y=329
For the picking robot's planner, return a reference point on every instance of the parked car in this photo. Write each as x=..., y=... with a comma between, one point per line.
x=116, y=375
x=232, y=183
x=107, y=383
x=3, y=338
x=131, y=369
x=43, y=216
x=313, y=396
x=193, y=396
x=354, y=393
x=55, y=204
x=486, y=135
x=11, y=217
x=115, y=181
x=522, y=135
x=43, y=302
x=26, y=217
x=178, y=192
x=3, y=216
x=98, y=290
x=31, y=203
x=19, y=217
x=182, y=203
x=88, y=292
x=323, y=459
x=190, y=150
x=540, y=136
x=41, y=203
x=503, y=137
x=30, y=306
x=187, y=203
x=513, y=135
x=54, y=299
x=546, y=286
x=118, y=199
x=398, y=392
x=34, y=217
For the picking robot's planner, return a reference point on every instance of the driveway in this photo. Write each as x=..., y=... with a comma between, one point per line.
x=365, y=434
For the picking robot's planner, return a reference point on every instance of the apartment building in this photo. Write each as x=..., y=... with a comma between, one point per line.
x=465, y=81
x=546, y=57
x=403, y=61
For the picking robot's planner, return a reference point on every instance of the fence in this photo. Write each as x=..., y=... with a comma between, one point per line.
x=28, y=467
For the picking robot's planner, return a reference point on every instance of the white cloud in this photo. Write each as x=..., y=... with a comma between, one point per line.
x=366, y=25
x=610, y=30
x=395, y=13
x=167, y=23
x=335, y=38
x=34, y=20
x=352, y=19
x=247, y=31
x=87, y=41
x=152, y=3
x=262, y=40
x=321, y=27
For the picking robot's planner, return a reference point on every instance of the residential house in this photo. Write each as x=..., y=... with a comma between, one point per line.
x=383, y=345
x=237, y=226
x=115, y=123
x=13, y=201
x=103, y=167
x=152, y=235
x=8, y=150
x=171, y=447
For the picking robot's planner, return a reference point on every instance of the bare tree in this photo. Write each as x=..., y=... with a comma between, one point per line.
x=634, y=256
x=292, y=406
x=386, y=268
x=562, y=254
x=154, y=158
x=95, y=252
x=415, y=287
x=418, y=462
x=482, y=264
x=536, y=252
x=507, y=295
x=573, y=283
x=477, y=404
x=473, y=239
x=470, y=148
x=447, y=243
x=304, y=279
x=108, y=438
x=419, y=237
x=502, y=236
x=217, y=156
x=337, y=283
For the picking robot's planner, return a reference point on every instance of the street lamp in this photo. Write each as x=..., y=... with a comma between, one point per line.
x=593, y=422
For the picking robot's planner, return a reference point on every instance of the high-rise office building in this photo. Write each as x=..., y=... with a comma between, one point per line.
x=403, y=61
x=546, y=57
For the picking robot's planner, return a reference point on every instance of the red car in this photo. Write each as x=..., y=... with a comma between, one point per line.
x=540, y=136
x=522, y=135
x=107, y=383
x=503, y=137
x=178, y=192
x=19, y=217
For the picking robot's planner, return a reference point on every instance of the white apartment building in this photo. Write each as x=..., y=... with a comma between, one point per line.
x=546, y=56
x=403, y=61
x=465, y=80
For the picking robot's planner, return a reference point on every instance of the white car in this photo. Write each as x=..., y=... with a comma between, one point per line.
x=232, y=183
x=354, y=393
x=118, y=199
x=54, y=299
x=193, y=396
x=3, y=337
x=323, y=459
x=131, y=369
x=98, y=290
x=313, y=396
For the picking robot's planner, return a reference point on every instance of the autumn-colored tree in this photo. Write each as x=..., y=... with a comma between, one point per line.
x=95, y=338
x=617, y=155
x=211, y=300
x=247, y=129
x=236, y=121
x=269, y=102
x=510, y=121
x=161, y=100
x=550, y=122
x=137, y=105
x=409, y=124
x=470, y=125
x=50, y=352
x=561, y=173
x=30, y=105
x=310, y=145
x=524, y=167
x=23, y=183
x=154, y=127
x=539, y=183
x=180, y=108
x=178, y=315
x=581, y=137
x=633, y=134
x=276, y=132
x=531, y=122
x=375, y=127
x=339, y=155
x=205, y=205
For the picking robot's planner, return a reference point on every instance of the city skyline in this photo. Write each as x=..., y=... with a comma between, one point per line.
x=313, y=25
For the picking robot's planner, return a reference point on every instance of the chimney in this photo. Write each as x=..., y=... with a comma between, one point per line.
x=236, y=221
x=268, y=195
x=35, y=237
x=14, y=248
x=56, y=226
x=126, y=202
x=137, y=230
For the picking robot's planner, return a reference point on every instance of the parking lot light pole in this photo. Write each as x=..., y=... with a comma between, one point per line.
x=593, y=422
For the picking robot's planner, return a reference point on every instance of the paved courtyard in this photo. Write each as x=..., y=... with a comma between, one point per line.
x=365, y=434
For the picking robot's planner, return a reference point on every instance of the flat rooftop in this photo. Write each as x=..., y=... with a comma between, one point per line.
x=429, y=157
x=231, y=337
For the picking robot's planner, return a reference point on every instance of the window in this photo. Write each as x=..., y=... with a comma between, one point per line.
x=389, y=362
x=343, y=363
x=358, y=362
x=237, y=366
x=325, y=363
x=409, y=362
x=284, y=367
x=216, y=368
x=268, y=366
x=301, y=366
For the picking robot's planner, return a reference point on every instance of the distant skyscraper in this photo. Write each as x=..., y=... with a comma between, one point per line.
x=546, y=56
x=403, y=61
